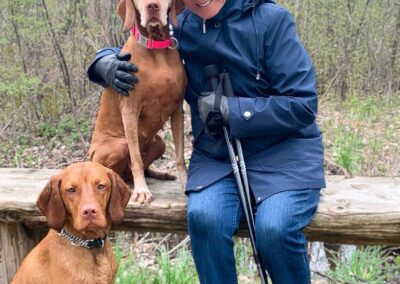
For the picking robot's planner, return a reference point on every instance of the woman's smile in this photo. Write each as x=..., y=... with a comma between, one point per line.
x=204, y=4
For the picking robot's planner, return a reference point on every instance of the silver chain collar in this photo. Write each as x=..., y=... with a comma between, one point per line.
x=76, y=241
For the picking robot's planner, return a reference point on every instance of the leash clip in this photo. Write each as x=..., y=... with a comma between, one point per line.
x=174, y=43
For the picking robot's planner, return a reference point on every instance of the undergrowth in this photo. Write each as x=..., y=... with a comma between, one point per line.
x=362, y=134
x=369, y=265
x=167, y=269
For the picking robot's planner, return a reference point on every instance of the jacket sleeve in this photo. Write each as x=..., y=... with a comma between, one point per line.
x=100, y=54
x=292, y=79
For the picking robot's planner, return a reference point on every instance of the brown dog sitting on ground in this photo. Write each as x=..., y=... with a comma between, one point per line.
x=125, y=136
x=80, y=204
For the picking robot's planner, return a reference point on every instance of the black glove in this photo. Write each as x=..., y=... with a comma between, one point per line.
x=114, y=70
x=214, y=117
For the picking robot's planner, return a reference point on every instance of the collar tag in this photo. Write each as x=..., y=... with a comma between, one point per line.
x=142, y=40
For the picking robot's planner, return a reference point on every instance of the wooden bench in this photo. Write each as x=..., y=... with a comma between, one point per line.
x=359, y=210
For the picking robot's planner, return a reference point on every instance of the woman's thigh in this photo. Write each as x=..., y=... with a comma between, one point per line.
x=215, y=208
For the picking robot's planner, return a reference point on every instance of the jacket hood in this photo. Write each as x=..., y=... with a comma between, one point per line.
x=231, y=7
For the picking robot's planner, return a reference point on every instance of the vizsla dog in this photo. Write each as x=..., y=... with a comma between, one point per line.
x=80, y=204
x=125, y=136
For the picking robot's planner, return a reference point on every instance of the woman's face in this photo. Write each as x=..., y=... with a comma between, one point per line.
x=205, y=9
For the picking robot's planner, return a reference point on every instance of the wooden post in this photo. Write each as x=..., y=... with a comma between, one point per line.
x=16, y=240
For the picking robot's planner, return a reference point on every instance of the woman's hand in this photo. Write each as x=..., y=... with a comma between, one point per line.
x=117, y=72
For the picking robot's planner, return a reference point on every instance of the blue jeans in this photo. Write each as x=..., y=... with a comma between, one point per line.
x=214, y=215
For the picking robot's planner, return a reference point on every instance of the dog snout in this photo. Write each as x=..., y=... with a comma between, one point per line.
x=153, y=8
x=89, y=211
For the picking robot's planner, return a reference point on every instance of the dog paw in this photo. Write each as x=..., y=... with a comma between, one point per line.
x=142, y=196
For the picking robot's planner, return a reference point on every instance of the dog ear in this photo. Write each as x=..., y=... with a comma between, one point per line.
x=122, y=10
x=176, y=7
x=126, y=11
x=179, y=6
x=51, y=204
x=120, y=194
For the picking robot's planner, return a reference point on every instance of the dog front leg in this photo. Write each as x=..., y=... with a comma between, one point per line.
x=178, y=137
x=130, y=117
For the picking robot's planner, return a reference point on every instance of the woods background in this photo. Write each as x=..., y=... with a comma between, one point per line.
x=46, y=101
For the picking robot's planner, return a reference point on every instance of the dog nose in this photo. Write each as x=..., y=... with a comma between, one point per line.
x=89, y=211
x=153, y=7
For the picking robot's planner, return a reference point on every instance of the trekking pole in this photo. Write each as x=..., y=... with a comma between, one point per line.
x=242, y=164
x=212, y=74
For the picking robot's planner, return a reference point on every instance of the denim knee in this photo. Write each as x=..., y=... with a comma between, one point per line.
x=278, y=236
x=274, y=233
x=207, y=224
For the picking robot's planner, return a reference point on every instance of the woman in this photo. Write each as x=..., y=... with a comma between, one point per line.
x=273, y=113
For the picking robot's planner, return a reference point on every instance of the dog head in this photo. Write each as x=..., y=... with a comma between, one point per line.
x=85, y=198
x=150, y=15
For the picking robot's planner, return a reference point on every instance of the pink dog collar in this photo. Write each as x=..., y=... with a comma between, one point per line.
x=153, y=44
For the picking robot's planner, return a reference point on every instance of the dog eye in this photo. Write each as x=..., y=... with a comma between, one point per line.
x=71, y=190
x=101, y=186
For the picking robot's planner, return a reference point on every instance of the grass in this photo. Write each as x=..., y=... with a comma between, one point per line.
x=370, y=265
x=35, y=147
x=179, y=269
x=362, y=134
x=366, y=265
x=175, y=268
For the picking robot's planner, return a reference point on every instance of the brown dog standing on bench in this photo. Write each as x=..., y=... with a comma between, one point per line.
x=125, y=136
x=80, y=204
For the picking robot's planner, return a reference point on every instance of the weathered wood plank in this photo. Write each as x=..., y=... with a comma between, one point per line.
x=15, y=243
x=360, y=210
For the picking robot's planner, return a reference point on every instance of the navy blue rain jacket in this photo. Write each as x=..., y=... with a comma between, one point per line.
x=275, y=107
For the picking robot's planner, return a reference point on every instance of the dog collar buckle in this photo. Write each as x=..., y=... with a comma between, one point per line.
x=96, y=243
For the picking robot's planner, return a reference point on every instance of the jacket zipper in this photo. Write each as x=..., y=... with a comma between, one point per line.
x=204, y=26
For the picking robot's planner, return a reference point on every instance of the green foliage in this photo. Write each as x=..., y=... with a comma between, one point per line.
x=365, y=265
x=45, y=130
x=347, y=150
x=361, y=133
x=19, y=85
x=353, y=44
x=67, y=130
x=179, y=270
x=363, y=107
